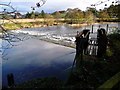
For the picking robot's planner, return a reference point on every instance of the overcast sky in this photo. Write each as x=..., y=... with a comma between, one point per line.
x=54, y=5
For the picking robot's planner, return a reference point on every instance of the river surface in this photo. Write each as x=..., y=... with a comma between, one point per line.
x=33, y=58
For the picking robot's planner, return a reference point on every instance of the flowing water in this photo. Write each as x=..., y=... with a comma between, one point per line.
x=33, y=58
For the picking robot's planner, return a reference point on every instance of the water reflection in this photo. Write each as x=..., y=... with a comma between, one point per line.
x=34, y=58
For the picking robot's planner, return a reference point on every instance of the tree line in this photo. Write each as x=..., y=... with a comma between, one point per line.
x=76, y=16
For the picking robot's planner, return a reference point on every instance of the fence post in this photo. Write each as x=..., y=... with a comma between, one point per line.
x=107, y=27
x=92, y=28
x=10, y=78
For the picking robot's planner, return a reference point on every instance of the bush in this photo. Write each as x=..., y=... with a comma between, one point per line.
x=114, y=44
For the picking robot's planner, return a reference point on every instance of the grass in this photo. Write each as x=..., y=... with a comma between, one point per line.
x=14, y=26
x=11, y=26
x=111, y=82
x=50, y=82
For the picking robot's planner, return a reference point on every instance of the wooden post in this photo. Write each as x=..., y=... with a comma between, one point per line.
x=102, y=42
x=92, y=28
x=107, y=27
x=10, y=79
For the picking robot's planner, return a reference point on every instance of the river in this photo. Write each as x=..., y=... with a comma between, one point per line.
x=34, y=58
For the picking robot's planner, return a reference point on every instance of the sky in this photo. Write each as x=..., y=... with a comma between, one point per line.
x=50, y=6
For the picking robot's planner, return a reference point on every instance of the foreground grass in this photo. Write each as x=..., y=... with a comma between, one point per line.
x=50, y=82
x=111, y=82
x=97, y=72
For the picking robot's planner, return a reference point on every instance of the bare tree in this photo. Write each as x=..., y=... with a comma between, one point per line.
x=6, y=35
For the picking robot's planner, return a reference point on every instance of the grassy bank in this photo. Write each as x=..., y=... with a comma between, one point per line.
x=30, y=23
x=14, y=26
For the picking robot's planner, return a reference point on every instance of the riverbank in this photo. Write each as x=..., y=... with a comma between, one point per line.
x=15, y=24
